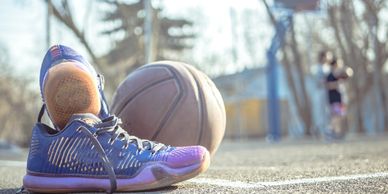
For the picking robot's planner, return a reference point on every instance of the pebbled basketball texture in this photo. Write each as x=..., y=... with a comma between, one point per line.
x=172, y=103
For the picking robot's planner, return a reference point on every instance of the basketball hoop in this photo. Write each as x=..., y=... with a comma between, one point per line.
x=284, y=10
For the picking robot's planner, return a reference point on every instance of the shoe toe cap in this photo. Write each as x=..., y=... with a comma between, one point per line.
x=186, y=156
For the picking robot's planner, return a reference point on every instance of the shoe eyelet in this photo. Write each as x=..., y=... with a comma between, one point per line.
x=79, y=129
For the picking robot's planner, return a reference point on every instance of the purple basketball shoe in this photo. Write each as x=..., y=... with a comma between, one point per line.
x=90, y=154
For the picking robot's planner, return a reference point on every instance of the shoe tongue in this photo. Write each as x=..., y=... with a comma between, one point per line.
x=88, y=118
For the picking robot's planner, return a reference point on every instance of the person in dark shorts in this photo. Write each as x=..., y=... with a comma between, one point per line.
x=337, y=74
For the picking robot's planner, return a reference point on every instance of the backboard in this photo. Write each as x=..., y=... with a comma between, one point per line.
x=298, y=5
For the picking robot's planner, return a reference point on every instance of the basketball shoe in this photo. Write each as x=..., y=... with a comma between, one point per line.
x=69, y=84
x=90, y=154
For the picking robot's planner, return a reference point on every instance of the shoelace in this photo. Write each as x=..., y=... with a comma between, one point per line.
x=112, y=125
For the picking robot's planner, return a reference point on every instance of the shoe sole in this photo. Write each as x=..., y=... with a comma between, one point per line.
x=69, y=89
x=152, y=176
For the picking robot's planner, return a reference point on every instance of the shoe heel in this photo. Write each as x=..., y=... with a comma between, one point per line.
x=68, y=90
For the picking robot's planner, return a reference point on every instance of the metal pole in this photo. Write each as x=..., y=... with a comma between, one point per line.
x=148, y=50
x=273, y=98
x=48, y=24
x=274, y=126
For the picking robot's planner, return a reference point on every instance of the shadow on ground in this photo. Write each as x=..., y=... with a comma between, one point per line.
x=19, y=191
x=10, y=190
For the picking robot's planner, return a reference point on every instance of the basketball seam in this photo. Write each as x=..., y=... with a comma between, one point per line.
x=201, y=103
x=172, y=108
x=141, y=91
x=218, y=102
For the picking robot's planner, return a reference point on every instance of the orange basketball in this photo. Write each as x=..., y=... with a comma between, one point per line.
x=172, y=103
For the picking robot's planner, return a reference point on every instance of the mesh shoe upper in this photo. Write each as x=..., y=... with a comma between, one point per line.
x=82, y=147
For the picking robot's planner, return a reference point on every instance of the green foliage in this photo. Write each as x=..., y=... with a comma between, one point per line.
x=171, y=36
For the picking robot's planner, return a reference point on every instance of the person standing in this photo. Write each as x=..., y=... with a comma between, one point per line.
x=338, y=73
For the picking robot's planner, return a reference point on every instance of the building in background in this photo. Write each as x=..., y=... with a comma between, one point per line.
x=245, y=97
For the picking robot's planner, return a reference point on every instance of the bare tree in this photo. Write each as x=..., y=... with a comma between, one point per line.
x=357, y=37
x=170, y=40
x=359, y=41
x=18, y=102
x=63, y=13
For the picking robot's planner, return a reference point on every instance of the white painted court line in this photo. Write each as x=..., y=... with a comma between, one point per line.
x=11, y=163
x=239, y=184
x=225, y=183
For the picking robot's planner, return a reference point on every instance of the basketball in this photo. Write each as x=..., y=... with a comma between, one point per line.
x=173, y=103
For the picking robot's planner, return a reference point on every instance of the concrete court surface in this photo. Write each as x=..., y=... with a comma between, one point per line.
x=356, y=165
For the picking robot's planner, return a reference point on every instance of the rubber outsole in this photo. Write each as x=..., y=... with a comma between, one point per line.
x=69, y=89
x=153, y=176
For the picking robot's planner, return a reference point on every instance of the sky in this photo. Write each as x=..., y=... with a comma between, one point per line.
x=23, y=24
x=20, y=32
